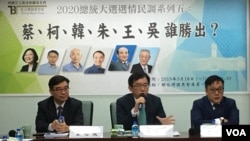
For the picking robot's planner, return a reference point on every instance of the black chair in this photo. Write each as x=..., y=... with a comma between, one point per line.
x=113, y=114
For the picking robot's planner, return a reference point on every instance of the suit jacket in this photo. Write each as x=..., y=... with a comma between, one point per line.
x=138, y=68
x=118, y=66
x=47, y=112
x=124, y=105
x=202, y=112
x=26, y=67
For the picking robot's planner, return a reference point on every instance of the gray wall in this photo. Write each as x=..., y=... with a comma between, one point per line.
x=18, y=110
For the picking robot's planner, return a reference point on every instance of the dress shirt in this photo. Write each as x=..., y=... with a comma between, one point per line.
x=145, y=68
x=126, y=103
x=94, y=69
x=57, y=110
x=48, y=69
x=71, y=68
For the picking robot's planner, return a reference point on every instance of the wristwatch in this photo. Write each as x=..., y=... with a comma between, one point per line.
x=222, y=119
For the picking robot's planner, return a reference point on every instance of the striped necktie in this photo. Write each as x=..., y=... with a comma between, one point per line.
x=60, y=110
x=215, y=106
x=125, y=66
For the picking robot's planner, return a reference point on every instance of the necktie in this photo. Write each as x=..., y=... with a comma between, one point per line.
x=60, y=110
x=215, y=106
x=142, y=116
x=144, y=69
x=125, y=65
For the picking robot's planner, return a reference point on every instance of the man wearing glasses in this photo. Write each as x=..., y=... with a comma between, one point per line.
x=59, y=104
x=128, y=107
x=214, y=107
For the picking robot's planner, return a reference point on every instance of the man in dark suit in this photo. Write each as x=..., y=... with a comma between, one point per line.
x=127, y=106
x=48, y=112
x=214, y=107
x=143, y=65
x=122, y=64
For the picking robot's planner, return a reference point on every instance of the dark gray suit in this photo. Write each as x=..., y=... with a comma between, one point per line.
x=118, y=66
x=138, y=68
x=202, y=112
x=72, y=112
x=153, y=108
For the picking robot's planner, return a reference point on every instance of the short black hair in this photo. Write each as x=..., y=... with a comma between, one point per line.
x=212, y=79
x=53, y=51
x=99, y=51
x=33, y=51
x=56, y=80
x=137, y=75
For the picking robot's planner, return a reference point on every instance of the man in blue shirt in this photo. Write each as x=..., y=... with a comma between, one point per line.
x=50, y=68
x=98, y=57
x=75, y=64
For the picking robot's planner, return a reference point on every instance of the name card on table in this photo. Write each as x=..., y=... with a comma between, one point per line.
x=210, y=130
x=86, y=132
x=156, y=131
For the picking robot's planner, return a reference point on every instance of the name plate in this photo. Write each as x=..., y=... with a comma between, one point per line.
x=156, y=131
x=210, y=130
x=86, y=132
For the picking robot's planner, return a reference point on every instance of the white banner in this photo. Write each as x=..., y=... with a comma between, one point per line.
x=188, y=41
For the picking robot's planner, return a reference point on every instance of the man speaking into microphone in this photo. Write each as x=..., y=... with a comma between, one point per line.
x=140, y=105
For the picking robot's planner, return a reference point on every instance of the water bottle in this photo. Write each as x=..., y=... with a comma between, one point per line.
x=61, y=119
x=5, y=138
x=135, y=130
x=19, y=135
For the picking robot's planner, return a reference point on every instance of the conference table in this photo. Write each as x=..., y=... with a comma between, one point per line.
x=184, y=136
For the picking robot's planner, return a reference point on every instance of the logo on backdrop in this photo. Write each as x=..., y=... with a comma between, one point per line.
x=27, y=7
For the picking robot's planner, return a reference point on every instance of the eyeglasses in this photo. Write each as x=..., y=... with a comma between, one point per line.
x=219, y=90
x=66, y=89
x=146, y=57
x=141, y=86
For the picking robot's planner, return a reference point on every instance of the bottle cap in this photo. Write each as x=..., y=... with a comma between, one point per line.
x=5, y=136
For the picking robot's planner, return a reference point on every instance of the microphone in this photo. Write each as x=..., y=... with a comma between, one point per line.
x=12, y=133
x=192, y=130
x=141, y=104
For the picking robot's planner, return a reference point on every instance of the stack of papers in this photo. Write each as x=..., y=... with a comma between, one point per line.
x=156, y=131
x=55, y=135
x=14, y=139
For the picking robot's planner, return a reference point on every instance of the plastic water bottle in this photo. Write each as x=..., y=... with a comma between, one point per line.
x=5, y=138
x=135, y=130
x=61, y=119
x=19, y=135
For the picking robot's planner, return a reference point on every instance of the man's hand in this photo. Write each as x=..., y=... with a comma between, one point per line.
x=138, y=101
x=166, y=120
x=60, y=127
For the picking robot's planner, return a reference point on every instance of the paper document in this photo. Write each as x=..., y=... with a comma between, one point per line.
x=55, y=135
